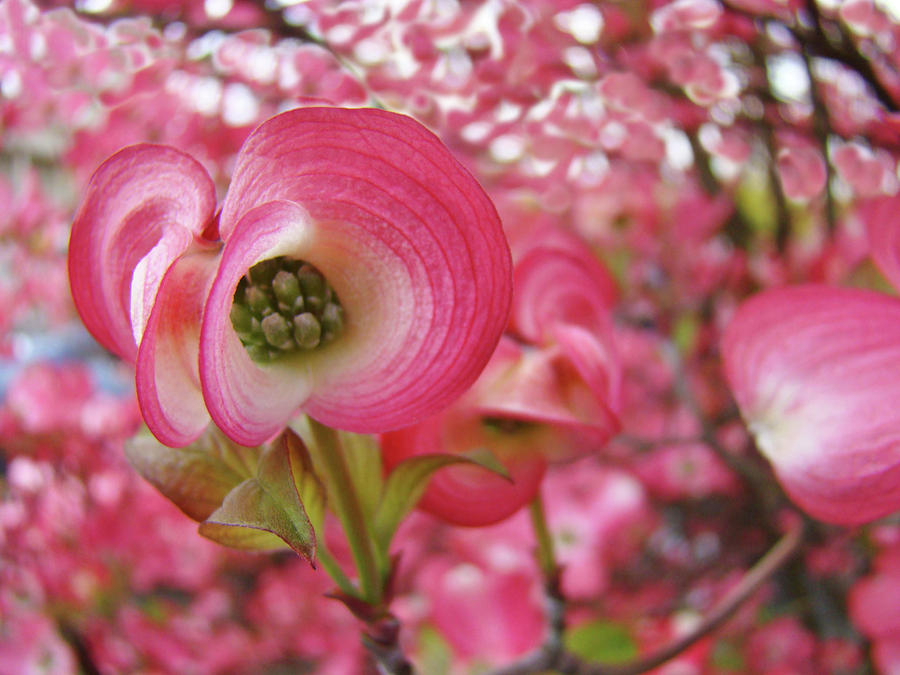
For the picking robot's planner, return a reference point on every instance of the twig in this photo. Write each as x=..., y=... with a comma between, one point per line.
x=777, y=556
x=783, y=214
x=381, y=640
x=822, y=130
x=758, y=480
x=570, y=664
x=80, y=648
x=819, y=44
x=545, y=553
x=736, y=227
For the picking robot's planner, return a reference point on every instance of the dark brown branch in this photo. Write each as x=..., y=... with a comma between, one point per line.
x=79, y=648
x=845, y=52
x=708, y=181
x=818, y=42
x=767, y=133
x=782, y=213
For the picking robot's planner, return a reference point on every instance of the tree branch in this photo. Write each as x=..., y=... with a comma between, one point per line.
x=570, y=664
x=822, y=130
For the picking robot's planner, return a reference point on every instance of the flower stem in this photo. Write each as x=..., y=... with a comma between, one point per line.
x=545, y=553
x=555, y=602
x=343, y=499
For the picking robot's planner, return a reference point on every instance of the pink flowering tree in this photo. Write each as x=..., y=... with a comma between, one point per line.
x=512, y=337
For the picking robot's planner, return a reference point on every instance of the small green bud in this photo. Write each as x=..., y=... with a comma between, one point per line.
x=286, y=287
x=307, y=330
x=284, y=304
x=259, y=301
x=262, y=273
x=312, y=283
x=277, y=331
x=241, y=318
x=314, y=304
x=332, y=321
x=252, y=338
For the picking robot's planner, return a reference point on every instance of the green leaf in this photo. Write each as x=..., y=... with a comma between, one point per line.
x=309, y=488
x=486, y=459
x=263, y=506
x=195, y=478
x=601, y=641
x=727, y=657
x=407, y=482
x=248, y=520
x=867, y=275
x=435, y=653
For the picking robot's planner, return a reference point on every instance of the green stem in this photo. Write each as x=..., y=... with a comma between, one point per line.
x=345, y=502
x=545, y=554
x=331, y=567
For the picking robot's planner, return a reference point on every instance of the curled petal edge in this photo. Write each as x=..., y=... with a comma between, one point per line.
x=167, y=376
x=144, y=206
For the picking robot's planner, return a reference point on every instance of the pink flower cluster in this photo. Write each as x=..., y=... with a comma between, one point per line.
x=135, y=593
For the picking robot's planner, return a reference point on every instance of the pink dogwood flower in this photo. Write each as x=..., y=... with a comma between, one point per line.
x=362, y=277
x=813, y=371
x=549, y=394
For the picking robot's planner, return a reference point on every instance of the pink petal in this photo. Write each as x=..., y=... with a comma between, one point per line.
x=415, y=224
x=813, y=370
x=873, y=604
x=865, y=172
x=554, y=284
x=685, y=15
x=144, y=206
x=802, y=171
x=594, y=357
x=469, y=495
x=881, y=218
x=168, y=382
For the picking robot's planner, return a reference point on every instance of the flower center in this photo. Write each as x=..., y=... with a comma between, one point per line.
x=505, y=425
x=284, y=305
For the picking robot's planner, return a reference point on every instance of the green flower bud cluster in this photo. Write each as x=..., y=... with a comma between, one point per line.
x=284, y=305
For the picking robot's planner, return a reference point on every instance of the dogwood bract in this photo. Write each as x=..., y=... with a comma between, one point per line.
x=813, y=371
x=362, y=277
